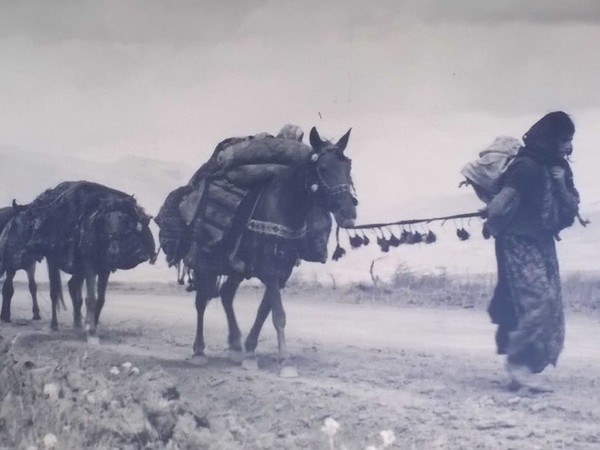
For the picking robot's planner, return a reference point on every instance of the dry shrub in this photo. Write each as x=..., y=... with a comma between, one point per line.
x=79, y=405
x=581, y=291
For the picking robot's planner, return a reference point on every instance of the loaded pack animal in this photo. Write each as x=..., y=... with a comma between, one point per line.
x=8, y=263
x=87, y=230
x=271, y=238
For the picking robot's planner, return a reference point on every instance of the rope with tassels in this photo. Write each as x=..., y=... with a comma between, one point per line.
x=409, y=236
x=415, y=221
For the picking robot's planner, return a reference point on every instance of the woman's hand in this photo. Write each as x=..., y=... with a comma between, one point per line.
x=558, y=173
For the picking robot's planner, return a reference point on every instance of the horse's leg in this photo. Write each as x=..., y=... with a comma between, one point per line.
x=33, y=291
x=55, y=291
x=91, y=304
x=75, y=284
x=273, y=293
x=8, y=291
x=264, y=309
x=204, y=285
x=102, y=285
x=227, y=292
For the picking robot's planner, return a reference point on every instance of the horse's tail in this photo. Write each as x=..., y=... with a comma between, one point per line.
x=56, y=291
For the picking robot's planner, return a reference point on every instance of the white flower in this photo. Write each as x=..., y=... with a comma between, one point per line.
x=114, y=370
x=135, y=371
x=51, y=391
x=50, y=441
x=388, y=437
x=330, y=427
x=126, y=365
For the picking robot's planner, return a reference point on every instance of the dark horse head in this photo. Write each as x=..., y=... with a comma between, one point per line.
x=120, y=237
x=330, y=174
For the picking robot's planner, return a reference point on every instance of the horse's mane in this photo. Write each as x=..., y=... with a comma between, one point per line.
x=6, y=214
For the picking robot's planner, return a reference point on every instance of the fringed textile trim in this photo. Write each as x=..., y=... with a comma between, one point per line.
x=275, y=229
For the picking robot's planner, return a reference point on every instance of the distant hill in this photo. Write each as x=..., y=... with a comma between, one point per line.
x=24, y=175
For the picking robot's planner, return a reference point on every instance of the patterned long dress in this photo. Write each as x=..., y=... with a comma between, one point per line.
x=527, y=303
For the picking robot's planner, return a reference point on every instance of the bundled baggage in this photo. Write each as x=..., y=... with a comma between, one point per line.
x=66, y=222
x=484, y=172
x=198, y=217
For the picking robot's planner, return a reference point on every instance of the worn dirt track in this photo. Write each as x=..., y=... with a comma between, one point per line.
x=430, y=375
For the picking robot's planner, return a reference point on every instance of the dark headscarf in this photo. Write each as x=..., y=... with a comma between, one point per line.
x=543, y=137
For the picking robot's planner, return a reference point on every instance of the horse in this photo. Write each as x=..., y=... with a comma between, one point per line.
x=113, y=234
x=270, y=250
x=6, y=215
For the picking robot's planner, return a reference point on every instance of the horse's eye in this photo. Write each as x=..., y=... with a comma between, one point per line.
x=324, y=170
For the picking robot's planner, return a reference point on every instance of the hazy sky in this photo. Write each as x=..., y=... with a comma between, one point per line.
x=425, y=84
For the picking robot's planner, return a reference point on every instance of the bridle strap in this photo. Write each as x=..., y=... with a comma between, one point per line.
x=338, y=188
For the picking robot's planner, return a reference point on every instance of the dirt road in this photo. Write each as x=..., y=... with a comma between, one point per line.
x=429, y=375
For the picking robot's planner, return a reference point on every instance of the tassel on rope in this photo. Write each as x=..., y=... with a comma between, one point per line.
x=430, y=238
x=404, y=236
x=355, y=240
x=462, y=234
x=365, y=239
x=383, y=243
x=393, y=240
x=339, y=250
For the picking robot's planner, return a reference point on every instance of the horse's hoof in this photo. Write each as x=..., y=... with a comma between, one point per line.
x=77, y=325
x=93, y=340
x=236, y=356
x=198, y=360
x=54, y=327
x=36, y=317
x=288, y=372
x=250, y=364
x=4, y=320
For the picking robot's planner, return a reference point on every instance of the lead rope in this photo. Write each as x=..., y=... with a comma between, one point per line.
x=406, y=237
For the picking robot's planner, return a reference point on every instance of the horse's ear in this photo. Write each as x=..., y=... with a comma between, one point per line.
x=343, y=142
x=16, y=207
x=315, y=140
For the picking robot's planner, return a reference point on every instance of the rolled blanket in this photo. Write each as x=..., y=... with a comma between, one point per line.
x=269, y=150
x=250, y=174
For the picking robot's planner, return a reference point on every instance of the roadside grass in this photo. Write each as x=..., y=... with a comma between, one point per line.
x=581, y=291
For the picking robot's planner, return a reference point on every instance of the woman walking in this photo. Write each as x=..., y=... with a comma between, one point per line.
x=537, y=200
